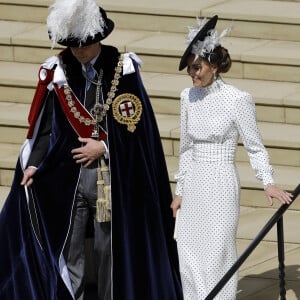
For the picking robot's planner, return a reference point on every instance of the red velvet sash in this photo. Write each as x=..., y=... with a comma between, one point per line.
x=79, y=118
x=45, y=77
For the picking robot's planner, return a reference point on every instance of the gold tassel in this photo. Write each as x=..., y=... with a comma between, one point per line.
x=103, y=204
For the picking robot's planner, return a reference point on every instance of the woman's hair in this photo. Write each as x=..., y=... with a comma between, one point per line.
x=219, y=58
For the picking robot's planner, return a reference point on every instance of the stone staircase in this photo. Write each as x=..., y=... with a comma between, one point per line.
x=264, y=47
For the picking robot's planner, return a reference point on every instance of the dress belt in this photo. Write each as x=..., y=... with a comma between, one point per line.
x=207, y=152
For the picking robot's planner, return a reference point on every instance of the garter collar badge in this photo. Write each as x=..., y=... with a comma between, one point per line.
x=127, y=109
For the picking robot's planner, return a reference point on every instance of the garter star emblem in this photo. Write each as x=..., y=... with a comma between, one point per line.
x=127, y=109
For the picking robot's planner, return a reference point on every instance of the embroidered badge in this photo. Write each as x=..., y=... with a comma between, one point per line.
x=127, y=109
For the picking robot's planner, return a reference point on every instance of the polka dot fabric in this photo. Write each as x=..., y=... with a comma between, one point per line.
x=212, y=119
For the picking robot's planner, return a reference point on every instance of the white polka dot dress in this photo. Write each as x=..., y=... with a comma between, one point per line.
x=212, y=119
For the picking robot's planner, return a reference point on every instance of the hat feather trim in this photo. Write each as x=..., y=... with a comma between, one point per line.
x=210, y=42
x=78, y=19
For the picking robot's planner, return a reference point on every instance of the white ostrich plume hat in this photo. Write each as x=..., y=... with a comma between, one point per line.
x=77, y=22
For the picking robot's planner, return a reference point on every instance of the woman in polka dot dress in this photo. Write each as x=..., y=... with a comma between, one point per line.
x=213, y=116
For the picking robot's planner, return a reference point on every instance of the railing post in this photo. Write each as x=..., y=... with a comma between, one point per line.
x=281, y=266
x=274, y=219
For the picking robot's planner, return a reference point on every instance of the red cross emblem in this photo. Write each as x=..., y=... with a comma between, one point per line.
x=127, y=109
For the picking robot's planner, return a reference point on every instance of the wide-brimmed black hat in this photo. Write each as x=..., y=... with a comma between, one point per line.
x=80, y=27
x=200, y=36
x=75, y=42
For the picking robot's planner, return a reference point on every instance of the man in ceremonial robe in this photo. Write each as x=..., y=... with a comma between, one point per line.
x=82, y=128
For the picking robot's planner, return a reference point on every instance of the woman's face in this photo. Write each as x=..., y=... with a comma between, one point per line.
x=201, y=72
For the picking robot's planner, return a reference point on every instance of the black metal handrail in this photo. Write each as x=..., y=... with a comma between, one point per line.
x=276, y=218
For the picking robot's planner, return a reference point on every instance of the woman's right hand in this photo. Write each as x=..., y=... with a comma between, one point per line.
x=272, y=191
x=176, y=204
x=27, y=177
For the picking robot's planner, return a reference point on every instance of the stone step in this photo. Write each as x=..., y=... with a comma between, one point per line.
x=8, y=159
x=277, y=156
x=282, y=140
x=274, y=134
x=275, y=101
x=13, y=122
x=253, y=58
x=4, y=190
x=252, y=194
x=252, y=18
x=247, y=229
x=256, y=19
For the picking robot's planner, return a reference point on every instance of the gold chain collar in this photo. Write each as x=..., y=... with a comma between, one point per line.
x=106, y=106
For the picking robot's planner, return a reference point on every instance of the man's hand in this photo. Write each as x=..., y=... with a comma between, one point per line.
x=90, y=151
x=27, y=177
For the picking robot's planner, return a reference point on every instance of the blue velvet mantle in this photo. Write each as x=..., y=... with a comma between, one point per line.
x=32, y=235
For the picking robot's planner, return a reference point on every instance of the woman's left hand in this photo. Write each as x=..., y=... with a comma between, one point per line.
x=176, y=204
x=272, y=191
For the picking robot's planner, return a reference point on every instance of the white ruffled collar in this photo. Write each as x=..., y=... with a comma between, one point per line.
x=214, y=87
